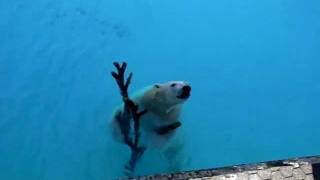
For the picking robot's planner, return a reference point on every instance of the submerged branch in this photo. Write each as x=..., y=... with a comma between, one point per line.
x=131, y=111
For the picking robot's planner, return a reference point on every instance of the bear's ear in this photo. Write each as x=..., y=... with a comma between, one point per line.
x=157, y=85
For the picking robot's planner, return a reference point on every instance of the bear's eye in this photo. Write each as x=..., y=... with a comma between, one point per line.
x=173, y=84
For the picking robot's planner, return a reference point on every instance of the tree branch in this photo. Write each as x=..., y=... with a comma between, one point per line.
x=131, y=111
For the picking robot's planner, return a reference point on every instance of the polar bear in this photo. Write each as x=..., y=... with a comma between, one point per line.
x=163, y=102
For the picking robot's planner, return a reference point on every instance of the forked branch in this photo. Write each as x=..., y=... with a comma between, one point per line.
x=130, y=112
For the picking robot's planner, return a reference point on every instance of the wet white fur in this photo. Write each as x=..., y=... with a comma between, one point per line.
x=163, y=109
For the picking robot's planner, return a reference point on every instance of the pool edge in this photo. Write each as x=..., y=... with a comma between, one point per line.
x=294, y=168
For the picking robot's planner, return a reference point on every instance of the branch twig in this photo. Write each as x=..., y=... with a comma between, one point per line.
x=131, y=111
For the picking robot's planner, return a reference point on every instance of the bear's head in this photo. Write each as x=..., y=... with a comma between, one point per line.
x=172, y=93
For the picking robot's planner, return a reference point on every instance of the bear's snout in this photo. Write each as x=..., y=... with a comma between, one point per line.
x=187, y=88
x=185, y=92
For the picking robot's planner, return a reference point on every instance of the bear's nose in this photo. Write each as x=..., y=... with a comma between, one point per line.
x=186, y=88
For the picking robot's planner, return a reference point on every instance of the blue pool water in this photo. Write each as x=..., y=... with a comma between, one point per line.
x=253, y=65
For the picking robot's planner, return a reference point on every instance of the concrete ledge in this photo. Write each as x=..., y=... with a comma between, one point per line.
x=307, y=168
